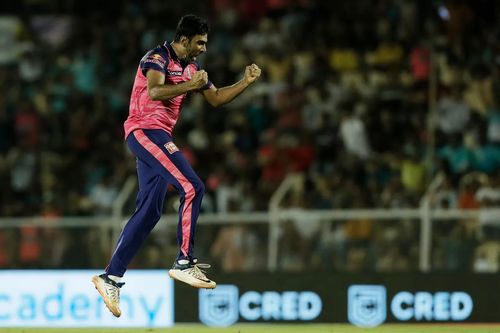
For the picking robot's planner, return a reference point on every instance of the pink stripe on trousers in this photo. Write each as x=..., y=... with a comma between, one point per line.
x=188, y=188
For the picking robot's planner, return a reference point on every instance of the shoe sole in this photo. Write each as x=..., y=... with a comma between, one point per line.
x=116, y=312
x=174, y=274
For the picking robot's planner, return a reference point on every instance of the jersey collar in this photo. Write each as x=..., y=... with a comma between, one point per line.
x=173, y=55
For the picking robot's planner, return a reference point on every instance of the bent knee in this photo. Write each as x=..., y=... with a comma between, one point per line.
x=199, y=187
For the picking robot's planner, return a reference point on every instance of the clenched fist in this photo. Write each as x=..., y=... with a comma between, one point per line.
x=252, y=73
x=199, y=79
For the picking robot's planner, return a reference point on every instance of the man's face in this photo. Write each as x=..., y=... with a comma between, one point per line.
x=195, y=46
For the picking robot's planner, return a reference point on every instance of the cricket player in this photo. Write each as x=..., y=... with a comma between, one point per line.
x=166, y=74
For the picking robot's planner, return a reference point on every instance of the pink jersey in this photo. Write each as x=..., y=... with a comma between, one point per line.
x=144, y=113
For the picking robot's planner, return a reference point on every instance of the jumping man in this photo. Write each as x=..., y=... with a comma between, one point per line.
x=164, y=77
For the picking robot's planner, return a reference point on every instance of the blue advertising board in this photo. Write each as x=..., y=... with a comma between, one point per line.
x=57, y=298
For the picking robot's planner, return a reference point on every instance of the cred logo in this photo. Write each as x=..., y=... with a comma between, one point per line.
x=366, y=305
x=271, y=305
x=222, y=306
x=426, y=306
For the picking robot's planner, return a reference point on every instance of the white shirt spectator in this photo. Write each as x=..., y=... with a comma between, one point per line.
x=353, y=133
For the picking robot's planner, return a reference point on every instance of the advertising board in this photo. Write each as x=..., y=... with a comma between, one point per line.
x=57, y=298
x=365, y=300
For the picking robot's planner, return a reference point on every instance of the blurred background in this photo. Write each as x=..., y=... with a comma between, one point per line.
x=371, y=143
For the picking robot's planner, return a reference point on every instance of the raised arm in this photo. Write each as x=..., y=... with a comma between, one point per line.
x=158, y=90
x=219, y=96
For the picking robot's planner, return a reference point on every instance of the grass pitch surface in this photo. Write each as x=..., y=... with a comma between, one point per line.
x=278, y=328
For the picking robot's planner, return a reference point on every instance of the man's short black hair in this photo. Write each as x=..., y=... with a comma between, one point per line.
x=189, y=26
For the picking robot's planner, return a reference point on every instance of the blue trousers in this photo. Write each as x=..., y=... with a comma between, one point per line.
x=159, y=163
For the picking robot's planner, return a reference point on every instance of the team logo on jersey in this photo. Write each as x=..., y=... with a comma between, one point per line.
x=171, y=147
x=219, y=307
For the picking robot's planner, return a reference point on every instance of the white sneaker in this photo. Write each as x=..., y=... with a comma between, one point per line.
x=110, y=292
x=192, y=274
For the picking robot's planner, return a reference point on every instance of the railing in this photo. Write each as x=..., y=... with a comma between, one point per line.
x=274, y=218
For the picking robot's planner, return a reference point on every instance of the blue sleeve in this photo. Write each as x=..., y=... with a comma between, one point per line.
x=209, y=83
x=156, y=59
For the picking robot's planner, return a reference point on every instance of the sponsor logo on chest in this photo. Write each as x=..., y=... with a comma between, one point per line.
x=177, y=71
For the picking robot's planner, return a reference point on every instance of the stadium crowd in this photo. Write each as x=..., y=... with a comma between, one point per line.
x=344, y=99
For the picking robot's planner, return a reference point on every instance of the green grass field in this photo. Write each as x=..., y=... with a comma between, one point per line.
x=252, y=328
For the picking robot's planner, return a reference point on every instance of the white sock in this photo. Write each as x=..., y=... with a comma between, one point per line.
x=117, y=279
